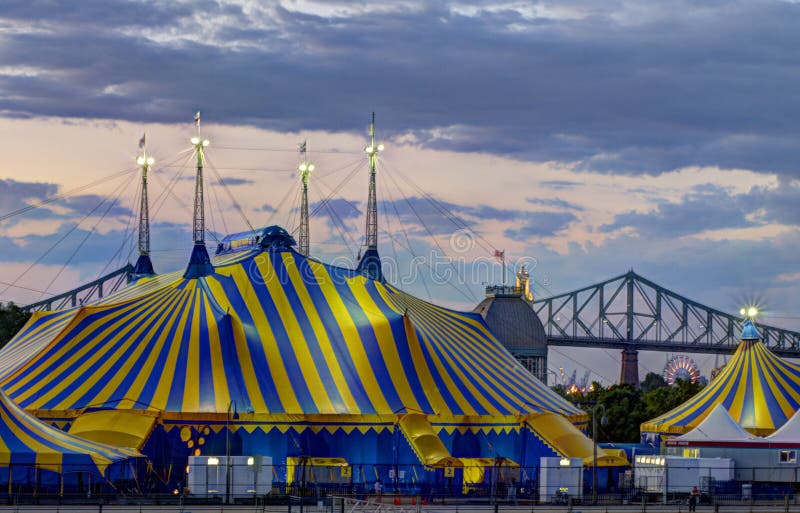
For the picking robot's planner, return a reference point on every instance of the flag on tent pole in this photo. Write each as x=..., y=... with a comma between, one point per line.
x=142, y=141
x=302, y=146
x=197, y=119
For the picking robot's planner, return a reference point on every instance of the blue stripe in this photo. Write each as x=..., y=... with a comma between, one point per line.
x=149, y=322
x=178, y=385
x=311, y=339
x=152, y=334
x=336, y=337
x=207, y=397
x=371, y=347
x=396, y=322
x=157, y=373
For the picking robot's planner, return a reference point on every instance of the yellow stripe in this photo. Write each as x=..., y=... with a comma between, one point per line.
x=161, y=395
x=386, y=342
x=146, y=370
x=299, y=345
x=454, y=345
x=351, y=337
x=221, y=393
x=275, y=363
x=108, y=362
x=88, y=353
x=191, y=389
x=321, y=334
x=117, y=378
x=240, y=339
x=457, y=347
x=761, y=415
x=738, y=399
x=776, y=377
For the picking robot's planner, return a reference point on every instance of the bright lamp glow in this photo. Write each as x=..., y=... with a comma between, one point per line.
x=206, y=142
x=369, y=149
x=311, y=167
x=752, y=311
x=195, y=140
x=742, y=312
x=251, y=460
x=140, y=160
x=213, y=461
x=303, y=166
x=564, y=462
x=380, y=147
x=150, y=161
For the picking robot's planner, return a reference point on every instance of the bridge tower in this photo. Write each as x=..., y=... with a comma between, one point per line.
x=144, y=267
x=370, y=263
x=305, y=169
x=629, y=369
x=199, y=262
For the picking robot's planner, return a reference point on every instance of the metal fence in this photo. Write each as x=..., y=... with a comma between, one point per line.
x=307, y=490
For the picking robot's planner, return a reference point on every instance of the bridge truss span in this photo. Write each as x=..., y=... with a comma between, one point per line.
x=633, y=313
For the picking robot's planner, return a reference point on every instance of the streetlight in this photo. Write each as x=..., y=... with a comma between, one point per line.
x=749, y=313
x=603, y=421
x=232, y=414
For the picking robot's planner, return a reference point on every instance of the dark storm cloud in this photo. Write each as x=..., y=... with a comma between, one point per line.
x=339, y=208
x=695, y=213
x=540, y=224
x=234, y=181
x=437, y=217
x=15, y=195
x=710, y=207
x=96, y=204
x=559, y=184
x=614, y=88
x=555, y=202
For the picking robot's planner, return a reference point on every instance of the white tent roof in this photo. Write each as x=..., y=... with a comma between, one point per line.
x=789, y=432
x=719, y=426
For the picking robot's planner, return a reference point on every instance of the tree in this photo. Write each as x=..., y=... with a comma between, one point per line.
x=12, y=319
x=628, y=407
x=652, y=381
x=661, y=400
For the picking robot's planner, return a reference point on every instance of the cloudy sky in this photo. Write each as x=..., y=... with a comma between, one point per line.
x=583, y=137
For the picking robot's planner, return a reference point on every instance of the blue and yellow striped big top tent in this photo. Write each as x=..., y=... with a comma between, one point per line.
x=278, y=354
x=759, y=390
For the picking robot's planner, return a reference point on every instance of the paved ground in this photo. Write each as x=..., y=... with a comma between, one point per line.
x=738, y=508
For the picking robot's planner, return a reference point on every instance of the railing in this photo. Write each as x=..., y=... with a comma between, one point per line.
x=91, y=291
x=504, y=290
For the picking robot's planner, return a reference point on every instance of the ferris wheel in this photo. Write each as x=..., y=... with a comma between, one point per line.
x=681, y=367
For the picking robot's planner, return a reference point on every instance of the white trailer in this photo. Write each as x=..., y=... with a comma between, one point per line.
x=675, y=474
x=248, y=476
x=560, y=478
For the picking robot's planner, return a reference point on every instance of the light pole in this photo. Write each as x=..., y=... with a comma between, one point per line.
x=231, y=406
x=603, y=421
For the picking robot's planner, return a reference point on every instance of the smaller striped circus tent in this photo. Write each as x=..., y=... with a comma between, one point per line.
x=759, y=390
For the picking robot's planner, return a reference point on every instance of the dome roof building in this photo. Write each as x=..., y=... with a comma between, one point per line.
x=509, y=314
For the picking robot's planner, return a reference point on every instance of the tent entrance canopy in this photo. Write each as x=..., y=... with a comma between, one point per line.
x=121, y=428
x=476, y=470
x=568, y=441
x=319, y=470
x=425, y=442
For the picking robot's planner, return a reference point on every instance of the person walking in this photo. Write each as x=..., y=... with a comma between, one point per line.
x=693, y=498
